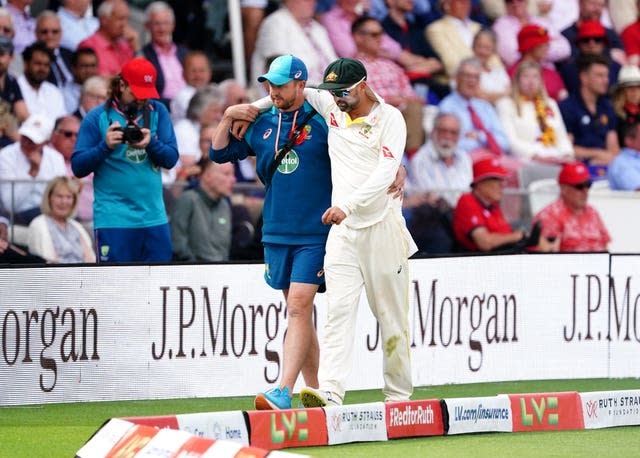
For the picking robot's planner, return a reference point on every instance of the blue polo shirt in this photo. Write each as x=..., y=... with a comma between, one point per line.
x=588, y=129
x=624, y=171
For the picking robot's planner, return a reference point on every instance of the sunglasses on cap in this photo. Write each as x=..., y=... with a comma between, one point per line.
x=582, y=186
x=345, y=92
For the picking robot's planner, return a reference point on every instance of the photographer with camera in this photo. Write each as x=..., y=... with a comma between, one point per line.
x=125, y=143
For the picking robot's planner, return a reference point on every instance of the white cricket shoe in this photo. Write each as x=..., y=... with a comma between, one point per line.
x=312, y=397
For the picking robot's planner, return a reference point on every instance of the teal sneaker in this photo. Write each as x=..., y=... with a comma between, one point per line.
x=273, y=399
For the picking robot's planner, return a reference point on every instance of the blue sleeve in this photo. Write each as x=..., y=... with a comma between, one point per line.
x=91, y=149
x=163, y=149
x=235, y=151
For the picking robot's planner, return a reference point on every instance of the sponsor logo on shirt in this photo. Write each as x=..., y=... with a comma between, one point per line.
x=386, y=152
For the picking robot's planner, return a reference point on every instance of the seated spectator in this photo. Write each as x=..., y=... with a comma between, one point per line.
x=10, y=253
x=436, y=176
x=570, y=220
x=197, y=73
x=6, y=25
x=55, y=235
x=165, y=55
x=83, y=65
x=306, y=38
x=114, y=42
x=76, y=23
x=10, y=91
x=494, y=80
x=452, y=35
x=593, y=10
x=94, y=92
x=388, y=79
x=532, y=120
x=24, y=23
x=626, y=99
x=589, y=116
x=31, y=161
x=8, y=125
x=533, y=42
x=508, y=25
x=624, y=171
x=631, y=39
x=481, y=130
x=478, y=222
x=406, y=27
x=592, y=39
x=49, y=31
x=40, y=95
x=201, y=219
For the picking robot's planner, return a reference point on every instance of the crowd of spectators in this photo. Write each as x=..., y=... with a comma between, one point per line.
x=493, y=92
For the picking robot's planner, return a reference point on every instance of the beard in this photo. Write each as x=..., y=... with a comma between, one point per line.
x=445, y=148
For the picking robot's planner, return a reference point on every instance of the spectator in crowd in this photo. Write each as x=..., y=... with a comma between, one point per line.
x=9, y=87
x=593, y=10
x=592, y=39
x=437, y=175
x=197, y=73
x=63, y=140
x=478, y=222
x=507, y=27
x=589, y=117
x=10, y=253
x=623, y=13
x=8, y=125
x=55, y=235
x=570, y=221
x=533, y=42
x=306, y=38
x=114, y=42
x=480, y=126
x=631, y=39
x=6, y=26
x=162, y=52
x=532, y=120
x=388, y=79
x=39, y=94
x=48, y=31
x=23, y=23
x=494, y=80
x=624, y=171
x=83, y=65
x=93, y=93
x=130, y=220
x=293, y=233
x=201, y=220
x=252, y=13
x=30, y=160
x=76, y=24
x=625, y=97
x=452, y=35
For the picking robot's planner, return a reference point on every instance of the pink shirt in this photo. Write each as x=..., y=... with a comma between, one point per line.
x=338, y=25
x=386, y=77
x=111, y=57
x=582, y=232
x=171, y=70
x=631, y=39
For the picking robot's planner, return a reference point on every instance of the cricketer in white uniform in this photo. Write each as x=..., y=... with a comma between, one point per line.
x=369, y=244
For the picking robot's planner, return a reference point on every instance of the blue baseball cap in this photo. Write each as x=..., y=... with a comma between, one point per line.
x=284, y=69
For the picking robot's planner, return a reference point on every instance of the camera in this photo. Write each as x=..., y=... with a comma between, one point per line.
x=131, y=133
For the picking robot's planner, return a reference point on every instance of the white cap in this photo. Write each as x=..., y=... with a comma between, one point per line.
x=37, y=128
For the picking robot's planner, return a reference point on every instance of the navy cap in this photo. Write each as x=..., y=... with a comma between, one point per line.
x=284, y=69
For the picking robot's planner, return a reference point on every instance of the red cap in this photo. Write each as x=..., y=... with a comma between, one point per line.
x=591, y=29
x=488, y=167
x=140, y=75
x=574, y=173
x=531, y=36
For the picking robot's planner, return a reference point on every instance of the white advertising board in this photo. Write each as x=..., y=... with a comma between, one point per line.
x=151, y=332
x=606, y=409
x=482, y=414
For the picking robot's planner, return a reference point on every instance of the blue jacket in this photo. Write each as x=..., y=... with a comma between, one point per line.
x=300, y=190
x=127, y=182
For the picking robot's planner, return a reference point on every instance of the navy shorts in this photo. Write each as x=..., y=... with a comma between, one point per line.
x=284, y=264
x=147, y=244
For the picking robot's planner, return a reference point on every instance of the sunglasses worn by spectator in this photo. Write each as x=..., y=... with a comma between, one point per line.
x=344, y=92
x=582, y=186
x=598, y=40
x=68, y=133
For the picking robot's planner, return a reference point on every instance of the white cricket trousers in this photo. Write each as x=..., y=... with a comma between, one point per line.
x=375, y=257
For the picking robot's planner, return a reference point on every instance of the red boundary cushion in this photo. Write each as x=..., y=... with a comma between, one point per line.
x=287, y=428
x=414, y=418
x=546, y=411
x=136, y=438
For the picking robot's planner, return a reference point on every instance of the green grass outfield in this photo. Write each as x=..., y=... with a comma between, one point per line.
x=59, y=430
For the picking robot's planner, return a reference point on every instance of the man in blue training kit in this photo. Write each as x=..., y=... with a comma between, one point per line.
x=295, y=197
x=125, y=143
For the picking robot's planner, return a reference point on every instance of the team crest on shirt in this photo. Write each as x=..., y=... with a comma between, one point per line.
x=365, y=131
x=136, y=155
x=289, y=163
x=104, y=252
x=267, y=134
